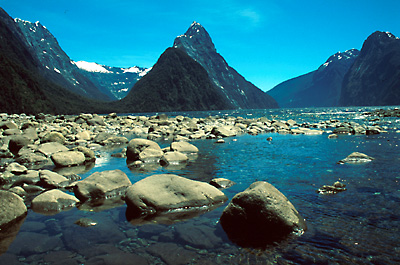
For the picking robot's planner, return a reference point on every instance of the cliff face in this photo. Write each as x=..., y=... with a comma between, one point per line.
x=55, y=63
x=374, y=78
x=24, y=89
x=175, y=83
x=320, y=88
x=197, y=43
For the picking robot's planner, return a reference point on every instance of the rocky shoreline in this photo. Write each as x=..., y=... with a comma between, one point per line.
x=40, y=156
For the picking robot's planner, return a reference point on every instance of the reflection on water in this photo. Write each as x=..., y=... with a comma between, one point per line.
x=358, y=226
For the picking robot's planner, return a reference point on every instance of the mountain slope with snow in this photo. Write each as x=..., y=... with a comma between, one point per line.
x=319, y=88
x=56, y=65
x=117, y=81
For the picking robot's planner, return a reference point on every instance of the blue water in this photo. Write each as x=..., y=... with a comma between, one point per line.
x=358, y=226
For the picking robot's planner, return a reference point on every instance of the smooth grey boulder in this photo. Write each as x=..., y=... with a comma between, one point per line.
x=68, y=158
x=12, y=208
x=144, y=150
x=51, y=148
x=260, y=215
x=16, y=168
x=163, y=193
x=173, y=158
x=89, y=154
x=102, y=185
x=184, y=147
x=356, y=158
x=53, y=137
x=53, y=201
x=50, y=179
x=224, y=131
x=222, y=183
x=114, y=140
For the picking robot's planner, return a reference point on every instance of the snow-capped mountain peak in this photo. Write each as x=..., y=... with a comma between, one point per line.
x=91, y=67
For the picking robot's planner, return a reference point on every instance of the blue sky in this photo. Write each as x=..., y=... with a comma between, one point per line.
x=266, y=41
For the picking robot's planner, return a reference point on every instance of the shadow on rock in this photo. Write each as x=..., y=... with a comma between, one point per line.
x=260, y=217
x=9, y=232
x=166, y=218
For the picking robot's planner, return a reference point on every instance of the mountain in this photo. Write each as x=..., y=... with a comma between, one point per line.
x=197, y=43
x=374, y=78
x=319, y=88
x=115, y=80
x=55, y=63
x=175, y=83
x=23, y=87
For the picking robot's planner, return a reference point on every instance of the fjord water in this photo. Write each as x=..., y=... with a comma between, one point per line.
x=357, y=226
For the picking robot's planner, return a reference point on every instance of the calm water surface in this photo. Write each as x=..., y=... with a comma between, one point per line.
x=358, y=226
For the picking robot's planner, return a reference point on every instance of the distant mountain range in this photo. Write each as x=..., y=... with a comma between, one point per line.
x=36, y=75
x=374, y=78
x=319, y=88
x=115, y=80
x=370, y=77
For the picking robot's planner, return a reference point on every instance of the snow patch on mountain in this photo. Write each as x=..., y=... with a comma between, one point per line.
x=91, y=67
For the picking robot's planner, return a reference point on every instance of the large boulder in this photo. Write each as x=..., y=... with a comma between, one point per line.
x=53, y=137
x=50, y=179
x=102, y=185
x=12, y=208
x=144, y=150
x=260, y=215
x=184, y=147
x=173, y=158
x=53, y=201
x=17, y=142
x=356, y=158
x=68, y=158
x=163, y=193
x=51, y=148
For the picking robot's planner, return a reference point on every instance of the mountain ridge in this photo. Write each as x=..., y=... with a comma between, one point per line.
x=197, y=43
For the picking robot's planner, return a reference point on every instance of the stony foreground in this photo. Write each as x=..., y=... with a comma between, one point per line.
x=39, y=154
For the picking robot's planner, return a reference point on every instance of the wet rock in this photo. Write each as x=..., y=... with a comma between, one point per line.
x=332, y=136
x=184, y=147
x=113, y=140
x=224, y=131
x=144, y=150
x=50, y=179
x=332, y=189
x=356, y=158
x=89, y=154
x=121, y=258
x=343, y=130
x=222, y=183
x=16, y=168
x=173, y=158
x=7, y=236
x=168, y=193
x=102, y=185
x=17, y=142
x=32, y=159
x=53, y=137
x=85, y=222
x=50, y=148
x=163, y=250
x=29, y=243
x=259, y=216
x=53, y=201
x=12, y=208
x=200, y=236
x=8, y=125
x=68, y=158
